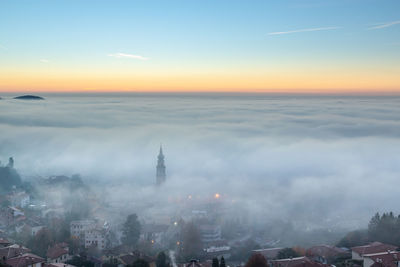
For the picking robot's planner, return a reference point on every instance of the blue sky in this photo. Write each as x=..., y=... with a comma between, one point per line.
x=199, y=36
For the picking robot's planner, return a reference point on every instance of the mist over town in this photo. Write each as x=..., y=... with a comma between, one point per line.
x=256, y=175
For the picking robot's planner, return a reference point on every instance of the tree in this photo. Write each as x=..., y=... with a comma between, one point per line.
x=222, y=263
x=257, y=260
x=215, y=262
x=354, y=238
x=161, y=260
x=41, y=242
x=191, y=242
x=287, y=253
x=385, y=228
x=243, y=252
x=9, y=177
x=80, y=261
x=140, y=263
x=374, y=224
x=131, y=230
x=299, y=251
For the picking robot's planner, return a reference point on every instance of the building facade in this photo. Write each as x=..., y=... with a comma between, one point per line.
x=90, y=233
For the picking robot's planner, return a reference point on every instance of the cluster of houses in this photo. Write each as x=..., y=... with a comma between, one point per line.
x=13, y=218
x=14, y=255
x=375, y=254
x=18, y=214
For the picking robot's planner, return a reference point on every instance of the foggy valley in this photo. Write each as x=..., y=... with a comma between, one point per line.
x=295, y=170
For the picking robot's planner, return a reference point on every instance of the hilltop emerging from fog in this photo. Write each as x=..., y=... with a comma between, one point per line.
x=29, y=97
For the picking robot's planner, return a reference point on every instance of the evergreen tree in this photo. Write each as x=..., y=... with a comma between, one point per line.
x=80, y=261
x=222, y=263
x=161, y=260
x=373, y=225
x=41, y=242
x=191, y=242
x=215, y=262
x=131, y=230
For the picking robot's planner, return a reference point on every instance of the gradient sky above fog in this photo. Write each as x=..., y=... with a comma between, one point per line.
x=288, y=45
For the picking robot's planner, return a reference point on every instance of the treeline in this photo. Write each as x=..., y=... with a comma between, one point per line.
x=384, y=228
x=9, y=177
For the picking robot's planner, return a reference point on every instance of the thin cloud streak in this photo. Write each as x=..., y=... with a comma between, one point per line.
x=123, y=55
x=305, y=30
x=44, y=60
x=385, y=25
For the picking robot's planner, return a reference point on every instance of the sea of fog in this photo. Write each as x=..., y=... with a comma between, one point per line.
x=333, y=160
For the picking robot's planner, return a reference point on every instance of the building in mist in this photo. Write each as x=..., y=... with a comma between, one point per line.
x=90, y=233
x=160, y=174
x=210, y=233
x=19, y=199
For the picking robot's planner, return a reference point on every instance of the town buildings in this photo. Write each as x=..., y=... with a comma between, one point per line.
x=90, y=233
x=357, y=253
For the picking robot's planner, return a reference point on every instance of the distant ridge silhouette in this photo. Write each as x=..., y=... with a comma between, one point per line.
x=29, y=97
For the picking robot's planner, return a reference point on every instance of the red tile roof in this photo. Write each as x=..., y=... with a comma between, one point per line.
x=296, y=262
x=24, y=260
x=4, y=241
x=374, y=247
x=388, y=259
x=325, y=251
x=12, y=251
x=55, y=252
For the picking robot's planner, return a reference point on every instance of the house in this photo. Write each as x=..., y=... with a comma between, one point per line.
x=19, y=199
x=26, y=260
x=78, y=228
x=4, y=243
x=153, y=232
x=387, y=259
x=90, y=233
x=210, y=233
x=375, y=247
x=12, y=251
x=28, y=229
x=59, y=253
x=11, y=216
x=326, y=254
x=297, y=262
x=95, y=237
x=15, y=211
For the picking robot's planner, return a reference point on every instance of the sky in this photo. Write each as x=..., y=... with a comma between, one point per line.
x=314, y=46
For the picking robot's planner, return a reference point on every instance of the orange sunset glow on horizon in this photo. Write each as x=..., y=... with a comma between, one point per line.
x=274, y=82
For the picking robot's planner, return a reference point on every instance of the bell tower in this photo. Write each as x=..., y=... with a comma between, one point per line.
x=160, y=174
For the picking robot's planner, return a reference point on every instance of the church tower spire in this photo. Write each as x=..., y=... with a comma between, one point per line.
x=160, y=174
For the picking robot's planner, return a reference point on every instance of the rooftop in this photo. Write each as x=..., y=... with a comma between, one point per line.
x=374, y=247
